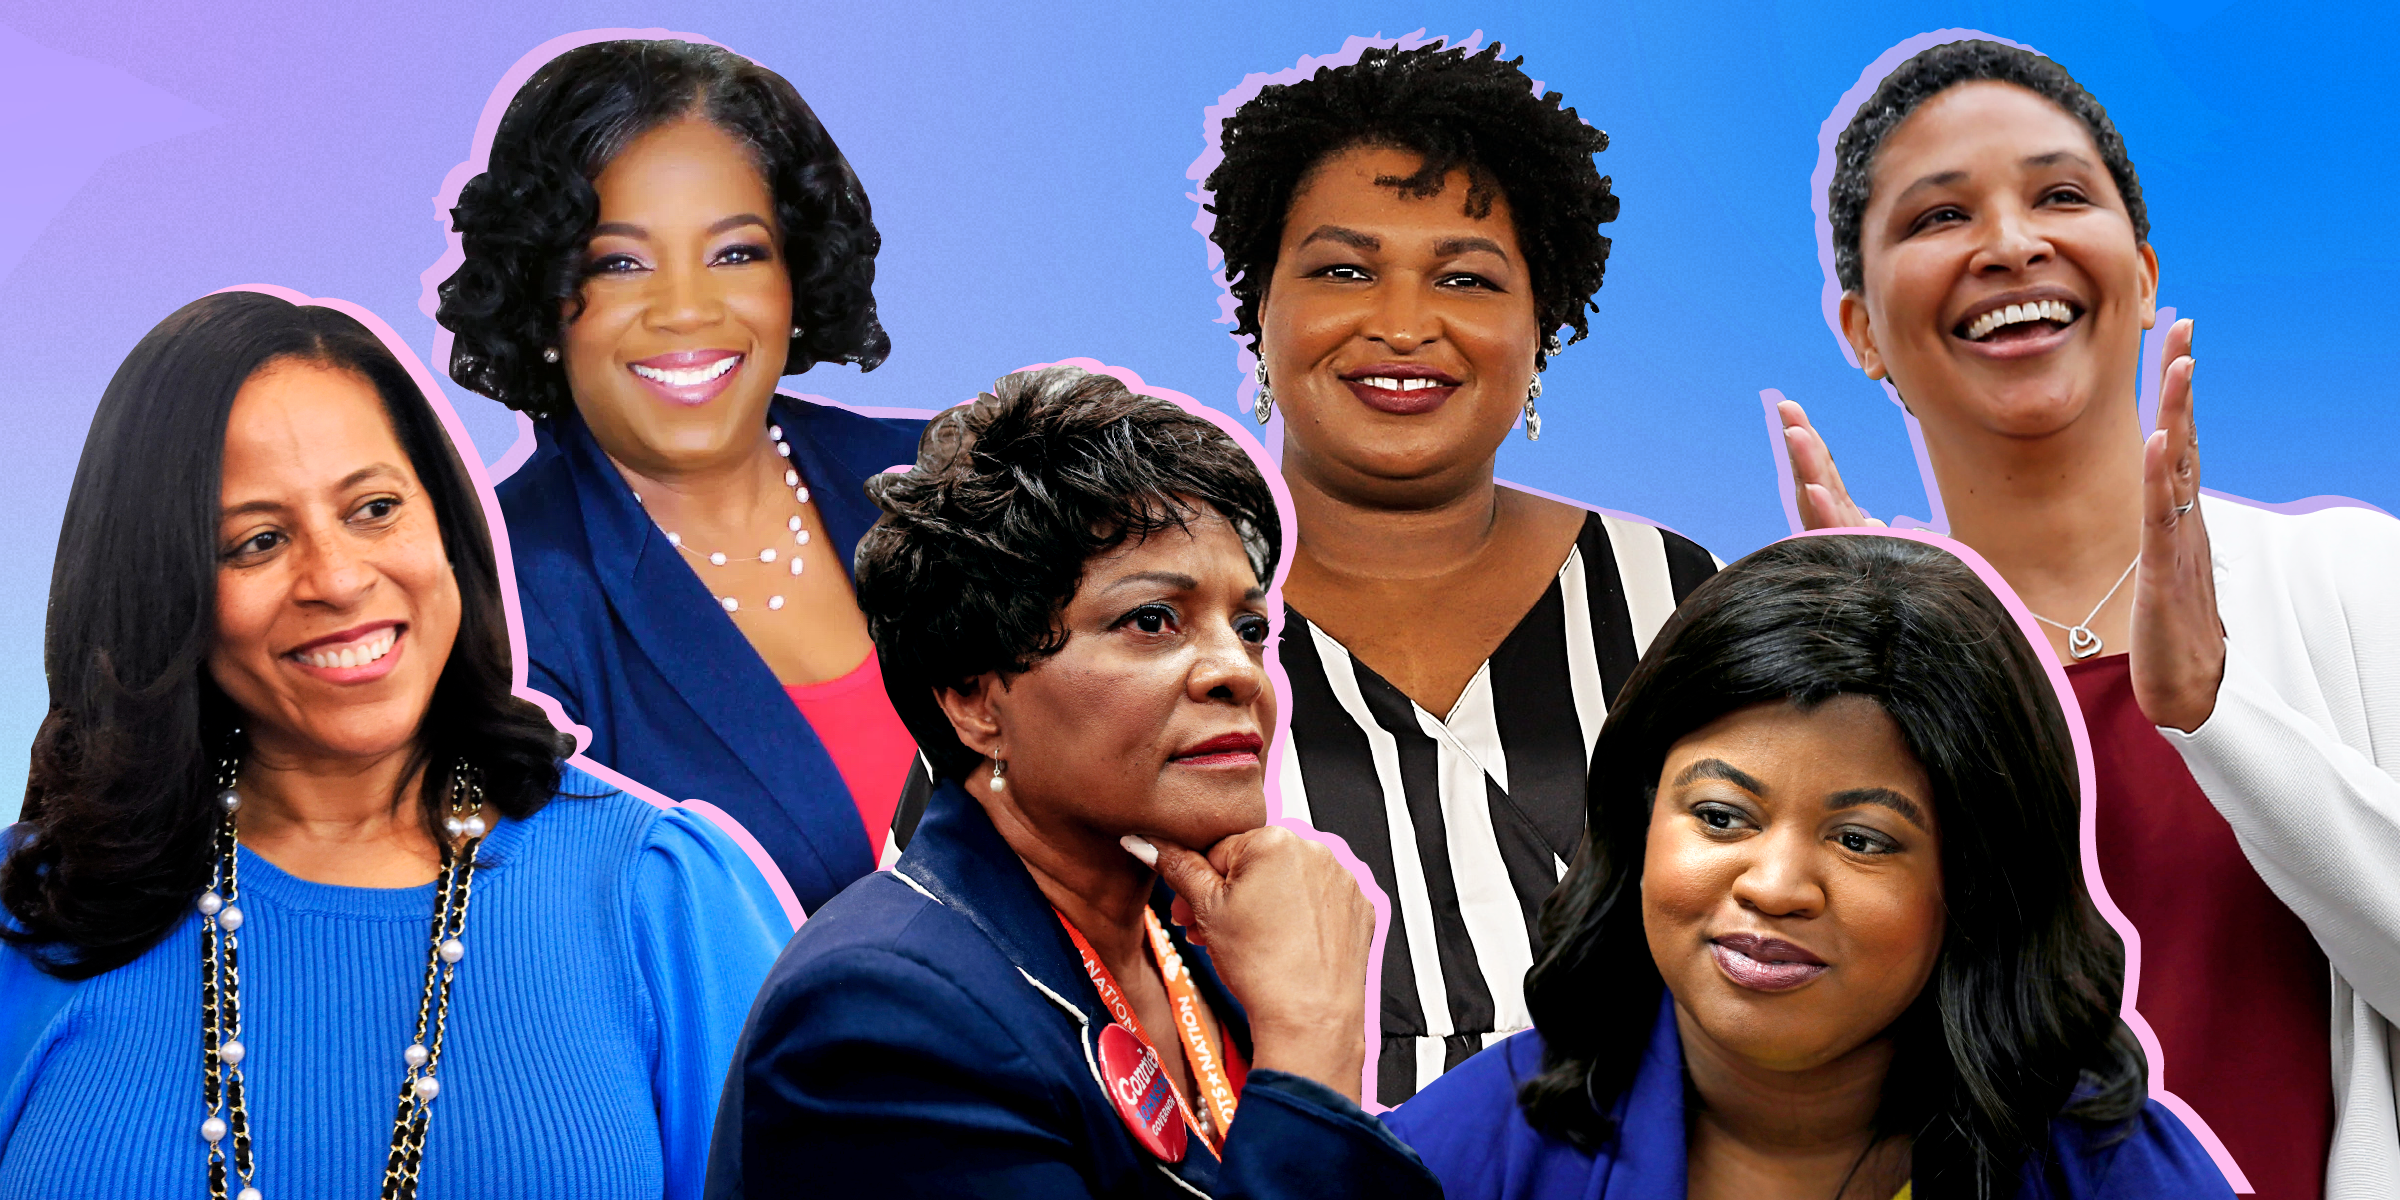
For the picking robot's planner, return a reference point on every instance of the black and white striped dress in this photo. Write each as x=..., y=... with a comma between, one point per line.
x=1468, y=821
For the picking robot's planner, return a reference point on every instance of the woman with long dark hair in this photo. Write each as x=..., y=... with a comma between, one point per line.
x=2235, y=665
x=1827, y=934
x=662, y=232
x=1410, y=239
x=282, y=739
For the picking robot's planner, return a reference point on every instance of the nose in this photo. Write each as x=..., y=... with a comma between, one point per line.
x=1780, y=878
x=684, y=298
x=2013, y=241
x=332, y=572
x=1225, y=670
x=1401, y=319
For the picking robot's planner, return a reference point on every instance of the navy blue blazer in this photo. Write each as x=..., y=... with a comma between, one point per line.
x=1471, y=1132
x=631, y=644
x=932, y=1033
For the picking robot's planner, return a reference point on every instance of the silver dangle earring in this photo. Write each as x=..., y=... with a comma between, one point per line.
x=795, y=333
x=1265, y=407
x=999, y=774
x=1533, y=420
x=549, y=354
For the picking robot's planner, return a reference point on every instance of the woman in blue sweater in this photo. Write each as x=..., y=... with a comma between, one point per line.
x=282, y=750
x=1827, y=936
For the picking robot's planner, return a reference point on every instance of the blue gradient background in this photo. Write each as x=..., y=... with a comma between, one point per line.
x=1028, y=172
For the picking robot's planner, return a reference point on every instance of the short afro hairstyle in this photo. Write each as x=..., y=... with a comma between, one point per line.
x=982, y=544
x=525, y=221
x=1454, y=109
x=1931, y=72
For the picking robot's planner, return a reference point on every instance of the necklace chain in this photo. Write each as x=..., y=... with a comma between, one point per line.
x=797, y=528
x=2081, y=641
x=222, y=1052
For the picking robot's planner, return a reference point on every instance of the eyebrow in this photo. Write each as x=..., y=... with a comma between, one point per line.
x=351, y=480
x=1875, y=795
x=631, y=230
x=1717, y=768
x=1453, y=247
x=1947, y=178
x=1347, y=237
x=1181, y=583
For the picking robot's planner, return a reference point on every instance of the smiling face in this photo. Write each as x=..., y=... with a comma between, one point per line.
x=2003, y=287
x=336, y=607
x=1792, y=884
x=1398, y=331
x=1154, y=716
x=687, y=309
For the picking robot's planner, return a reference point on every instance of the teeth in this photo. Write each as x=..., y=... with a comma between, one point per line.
x=1389, y=384
x=354, y=656
x=691, y=377
x=2056, y=311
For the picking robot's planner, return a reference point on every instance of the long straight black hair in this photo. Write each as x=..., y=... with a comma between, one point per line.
x=2019, y=1023
x=114, y=837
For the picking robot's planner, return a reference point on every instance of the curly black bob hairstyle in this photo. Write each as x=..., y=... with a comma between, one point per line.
x=115, y=837
x=1931, y=72
x=525, y=221
x=2018, y=1024
x=981, y=545
x=1454, y=110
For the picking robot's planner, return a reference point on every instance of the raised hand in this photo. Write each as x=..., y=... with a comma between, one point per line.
x=1289, y=933
x=2178, y=655
x=1816, y=485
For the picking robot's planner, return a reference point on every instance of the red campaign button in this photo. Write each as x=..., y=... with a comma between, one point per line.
x=1130, y=1074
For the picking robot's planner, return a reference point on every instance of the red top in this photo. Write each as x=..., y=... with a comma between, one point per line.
x=870, y=747
x=2233, y=984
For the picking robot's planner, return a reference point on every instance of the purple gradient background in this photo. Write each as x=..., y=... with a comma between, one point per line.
x=1029, y=178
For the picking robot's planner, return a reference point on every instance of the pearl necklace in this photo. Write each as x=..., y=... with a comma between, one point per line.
x=222, y=1052
x=791, y=479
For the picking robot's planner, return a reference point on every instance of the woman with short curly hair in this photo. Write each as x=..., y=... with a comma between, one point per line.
x=1098, y=971
x=662, y=231
x=1404, y=238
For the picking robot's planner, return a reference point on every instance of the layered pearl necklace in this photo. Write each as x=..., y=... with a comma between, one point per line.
x=718, y=558
x=222, y=1052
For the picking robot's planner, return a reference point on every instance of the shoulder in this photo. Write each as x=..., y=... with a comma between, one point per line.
x=2344, y=558
x=2341, y=529
x=538, y=499
x=2156, y=1157
x=1467, y=1127
x=869, y=444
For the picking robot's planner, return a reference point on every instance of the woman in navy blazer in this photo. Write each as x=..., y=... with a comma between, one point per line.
x=1070, y=591
x=1827, y=934
x=663, y=231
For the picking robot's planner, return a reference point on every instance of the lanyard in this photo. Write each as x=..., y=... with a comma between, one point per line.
x=1219, y=1078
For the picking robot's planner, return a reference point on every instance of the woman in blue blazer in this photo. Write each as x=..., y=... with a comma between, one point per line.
x=1827, y=936
x=663, y=231
x=1071, y=591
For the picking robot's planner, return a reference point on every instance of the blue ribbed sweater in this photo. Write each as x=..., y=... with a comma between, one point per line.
x=613, y=950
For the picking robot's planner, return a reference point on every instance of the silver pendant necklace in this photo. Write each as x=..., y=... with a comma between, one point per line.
x=227, y=1127
x=2081, y=641
x=718, y=558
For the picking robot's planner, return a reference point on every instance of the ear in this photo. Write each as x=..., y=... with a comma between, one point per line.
x=2149, y=294
x=973, y=713
x=1859, y=329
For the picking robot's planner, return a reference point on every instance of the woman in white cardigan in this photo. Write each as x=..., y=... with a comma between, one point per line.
x=1993, y=250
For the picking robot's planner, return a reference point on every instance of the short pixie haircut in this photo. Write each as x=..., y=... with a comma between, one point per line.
x=982, y=544
x=1931, y=72
x=525, y=221
x=2019, y=1022
x=1453, y=109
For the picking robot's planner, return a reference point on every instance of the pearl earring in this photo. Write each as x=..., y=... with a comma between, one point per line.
x=999, y=774
x=795, y=331
x=549, y=354
x=1265, y=407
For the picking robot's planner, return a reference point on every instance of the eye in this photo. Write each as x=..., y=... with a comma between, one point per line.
x=1252, y=627
x=1467, y=280
x=256, y=544
x=2066, y=195
x=1150, y=618
x=376, y=509
x=744, y=254
x=613, y=264
x=1721, y=818
x=1932, y=218
x=1864, y=841
x=1349, y=272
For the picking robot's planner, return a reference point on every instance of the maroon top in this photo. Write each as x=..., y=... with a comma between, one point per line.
x=2233, y=984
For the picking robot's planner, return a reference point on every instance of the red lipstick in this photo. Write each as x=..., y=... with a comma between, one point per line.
x=1224, y=750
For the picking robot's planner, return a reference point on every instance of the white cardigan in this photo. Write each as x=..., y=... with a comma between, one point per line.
x=2302, y=756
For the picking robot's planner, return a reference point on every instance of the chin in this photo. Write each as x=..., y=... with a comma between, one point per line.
x=1199, y=818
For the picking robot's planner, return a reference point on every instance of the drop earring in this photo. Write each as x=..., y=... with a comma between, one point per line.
x=1533, y=420
x=795, y=333
x=999, y=774
x=1265, y=407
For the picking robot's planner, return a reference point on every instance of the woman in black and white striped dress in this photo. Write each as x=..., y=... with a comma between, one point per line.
x=1402, y=237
